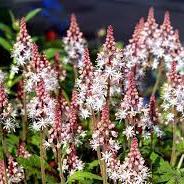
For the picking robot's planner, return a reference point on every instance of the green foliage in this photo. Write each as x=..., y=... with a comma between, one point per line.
x=83, y=177
x=163, y=172
x=32, y=14
x=5, y=44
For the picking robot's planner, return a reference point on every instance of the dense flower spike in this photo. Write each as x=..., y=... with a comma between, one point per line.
x=22, y=152
x=104, y=138
x=108, y=73
x=41, y=70
x=7, y=115
x=74, y=43
x=22, y=49
x=149, y=120
x=172, y=94
x=15, y=172
x=43, y=81
x=2, y=172
x=131, y=104
x=84, y=84
x=134, y=170
x=104, y=133
x=72, y=162
x=60, y=71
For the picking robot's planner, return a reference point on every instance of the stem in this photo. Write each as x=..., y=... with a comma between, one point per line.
x=102, y=166
x=75, y=72
x=24, y=119
x=173, y=154
x=42, y=156
x=180, y=162
x=158, y=79
x=60, y=161
x=4, y=153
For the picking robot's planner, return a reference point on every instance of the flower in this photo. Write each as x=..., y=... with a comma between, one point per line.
x=74, y=43
x=133, y=166
x=129, y=132
x=22, y=49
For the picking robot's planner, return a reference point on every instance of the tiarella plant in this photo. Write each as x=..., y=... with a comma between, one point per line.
x=67, y=117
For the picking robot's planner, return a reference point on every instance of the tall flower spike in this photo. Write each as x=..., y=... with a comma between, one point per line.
x=108, y=73
x=22, y=152
x=173, y=94
x=72, y=163
x=166, y=23
x=104, y=133
x=2, y=172
x=134, y=170
x=173, y=77
x=22, y=49
x=84, y=84
x=131, y=104
x=15, y=172
x=152, y=111
x=110, y=41
x=74, y=43
x=60, y=71
x=7, y=117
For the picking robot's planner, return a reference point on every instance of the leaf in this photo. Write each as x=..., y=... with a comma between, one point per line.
x=82, y=175
x=8, y=32
x=51, y=52
x=92, y=164
x=32, y=163
x=5, y=44
x=32, y=14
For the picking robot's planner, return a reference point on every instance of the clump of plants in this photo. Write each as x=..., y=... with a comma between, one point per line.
x=66, y=118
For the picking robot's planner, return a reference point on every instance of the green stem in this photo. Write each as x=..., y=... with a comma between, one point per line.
x=180, y=162
x=173, y=154
x=60, y=161
x=24, y=119
x=102, y=166
x=42, y=156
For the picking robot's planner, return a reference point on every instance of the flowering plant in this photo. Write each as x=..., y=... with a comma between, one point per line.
x=66, y=118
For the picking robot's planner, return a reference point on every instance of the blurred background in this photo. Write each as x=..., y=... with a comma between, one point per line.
x=93, y=16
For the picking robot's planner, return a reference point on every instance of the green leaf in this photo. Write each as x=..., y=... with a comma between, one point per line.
x=32, y=162
x=5, y=44
x=92, y=164
x=32, y=14
x=8, y=32
x=51, y=52
x=83, y=175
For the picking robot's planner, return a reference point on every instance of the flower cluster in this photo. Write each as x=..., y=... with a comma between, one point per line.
x=131, y=104
x=66, y=133
x=72, y=162
x=60, y=71
x=172, y=94
x=42, y=80
x=7, y=115
x=108, y=74
x=22, y=152
x=40, y=70
x=15, y=173
x=22, y=49
x=152, y=45
x=74, y=43
x=133, y=169
x=84, y=84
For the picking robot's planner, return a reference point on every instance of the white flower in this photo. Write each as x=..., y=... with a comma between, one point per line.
x=106, y=156
x=129, y=132
x=170, y=117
